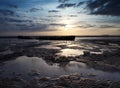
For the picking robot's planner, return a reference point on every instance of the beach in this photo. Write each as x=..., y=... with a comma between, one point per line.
x=86, y=62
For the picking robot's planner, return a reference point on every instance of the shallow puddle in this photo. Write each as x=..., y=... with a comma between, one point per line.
x=70, y=52
x=34, y=66
x=48, y=47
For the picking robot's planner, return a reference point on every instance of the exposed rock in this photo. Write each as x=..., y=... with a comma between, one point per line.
x=86, y=53
x=45, y=79
x=65, y=81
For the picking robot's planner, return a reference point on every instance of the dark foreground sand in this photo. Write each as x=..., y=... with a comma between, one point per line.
x=65, y=81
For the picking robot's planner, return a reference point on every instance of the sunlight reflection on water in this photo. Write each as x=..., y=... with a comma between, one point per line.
x=71, y=52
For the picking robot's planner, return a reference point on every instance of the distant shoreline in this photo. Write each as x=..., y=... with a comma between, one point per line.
x=64, y=36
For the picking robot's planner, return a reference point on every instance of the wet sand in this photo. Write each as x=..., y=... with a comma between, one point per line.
x=60, y=64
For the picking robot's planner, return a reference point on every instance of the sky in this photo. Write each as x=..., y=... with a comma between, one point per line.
x=59, y=17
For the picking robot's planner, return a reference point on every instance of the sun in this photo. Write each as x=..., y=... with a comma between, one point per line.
x=68, y=23
x=68, y=26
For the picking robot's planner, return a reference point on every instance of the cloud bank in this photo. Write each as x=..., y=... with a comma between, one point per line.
x=104, y=7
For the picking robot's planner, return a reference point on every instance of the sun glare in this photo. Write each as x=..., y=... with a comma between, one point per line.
x=67, y=27
x=67, y=23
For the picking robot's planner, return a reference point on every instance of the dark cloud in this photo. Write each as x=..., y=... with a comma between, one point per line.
x=40, y=27
x=18, y=20
x=13, y=6
x=97, y=26
x=6, y=12
x=104, y=7
x=16, y=27
x=55, y=16
x=13, y=25
x=86, y=26
x=66, y=5
x=33, y=27
x=63, y=1
x=73, y=15
x=53, y=11
x=80, y=3
x=55, y=24
x=10, y=20
x=35, y=9
x=22, y=25
x=108, y=26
